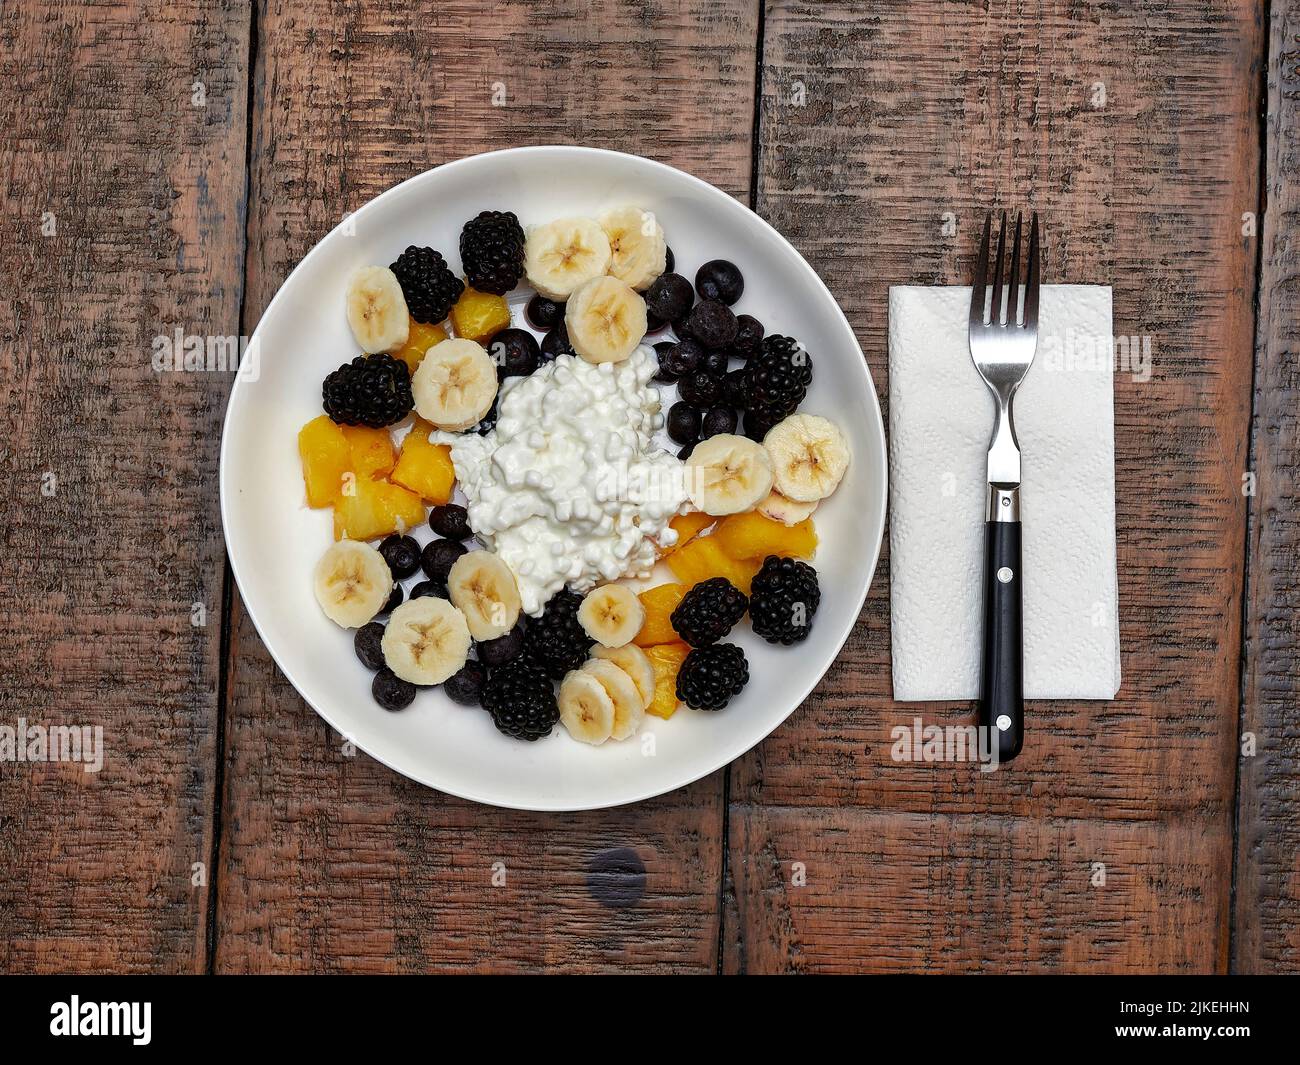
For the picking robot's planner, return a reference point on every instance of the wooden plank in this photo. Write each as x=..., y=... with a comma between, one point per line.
x=910, y=111
x=1266, y=929
x=340, y=864
x=122, y=191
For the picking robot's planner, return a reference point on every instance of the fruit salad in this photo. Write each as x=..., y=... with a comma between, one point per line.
x=565, y=530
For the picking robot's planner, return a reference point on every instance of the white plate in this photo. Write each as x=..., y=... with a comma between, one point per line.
x=274, y=539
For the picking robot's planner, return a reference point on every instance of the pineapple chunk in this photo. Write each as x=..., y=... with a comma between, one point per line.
x=326, y=458
x=425, y=468
x=420, y=339
x=372, y=451
x=703, y=558
x=659, y=603
x=479, y=316
x=754, y=536
x=666, y=660
x=367, y=510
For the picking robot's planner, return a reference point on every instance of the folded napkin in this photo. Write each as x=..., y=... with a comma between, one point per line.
x=940, y=418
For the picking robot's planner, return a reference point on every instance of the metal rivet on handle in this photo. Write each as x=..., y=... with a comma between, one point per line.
x=1004, y=722
x=1005, y=575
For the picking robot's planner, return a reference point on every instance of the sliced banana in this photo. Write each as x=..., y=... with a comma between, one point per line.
x=628, y=709
x=635, y=663
x=561, y=255
x=483, y=588
x=809, y=456
x=727, y=474
x=586, y=708
x=611, y=615
x=606, y=320
x=426, y=640
x=352, y=582
x=377, y=309
x=638, y=250
x=455, y=384
x=786, y=511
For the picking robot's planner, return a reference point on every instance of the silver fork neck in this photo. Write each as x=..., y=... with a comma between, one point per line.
x=1004, y=448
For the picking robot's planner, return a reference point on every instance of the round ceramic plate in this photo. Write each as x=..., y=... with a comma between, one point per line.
x=274, y=539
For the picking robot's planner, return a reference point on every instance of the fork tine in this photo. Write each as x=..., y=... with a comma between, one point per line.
x=981, y=275
x=995, y=307
x=1031, y=278
x=1013, y=285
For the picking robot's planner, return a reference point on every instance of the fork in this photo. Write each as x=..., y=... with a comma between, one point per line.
x=1003, y=338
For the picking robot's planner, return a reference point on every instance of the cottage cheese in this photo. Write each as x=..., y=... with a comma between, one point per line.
x=569, y=488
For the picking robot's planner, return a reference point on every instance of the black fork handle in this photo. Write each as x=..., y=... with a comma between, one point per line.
x=1002, y=687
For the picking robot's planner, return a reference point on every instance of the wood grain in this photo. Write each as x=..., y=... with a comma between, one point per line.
x=331, y=863
x=921, y=108
x=1266, y=929
x=122, y=221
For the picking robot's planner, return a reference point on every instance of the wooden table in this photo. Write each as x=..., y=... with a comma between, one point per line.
x=165, y=166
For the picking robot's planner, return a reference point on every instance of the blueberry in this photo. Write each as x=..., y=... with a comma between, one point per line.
x=735, y=388
x=683, y=423
x=714, y=363
x=719, y=279
x=712, y=324
x=438, y=556
x=489, y=421
x=717, y=420
x=685, y=452
x=503, y=649
x=450, y=520
x=556, y=342
x=670, y=297
x=391, y=692
x=367, y=645
x=543, y=312
x=465, y=685
x=402, y=554
x=653, y=323
x=664, y=373
x=437, y=589
x=394, y=600
x=670, y=260
x=699, y=390
x=683, y=359
x=749, y=337
x=515, y=353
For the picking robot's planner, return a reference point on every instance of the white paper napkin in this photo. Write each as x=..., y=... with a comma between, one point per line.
x=940, y=417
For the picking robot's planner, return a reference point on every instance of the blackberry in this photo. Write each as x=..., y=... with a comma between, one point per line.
x=756, y=423
x=783, y=600
x=371, y=390
x=779, y=377
x=367, y=643
x=709, y=611
x=521, y=700
x=556, y=640
x=391, y=692
x=465, y=686
x=492, y=251
x=735, y=388
x=711, y=676
x=427, y=283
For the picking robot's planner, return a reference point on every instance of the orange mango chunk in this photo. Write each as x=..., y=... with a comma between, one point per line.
x=326, y=457
x=425, y=468
x=659, y=603
x=690, y=525
x=421, y=338
x=367, y=510
x=479, y=316
x=666, y=659
x=752, y=535
x=372, y=450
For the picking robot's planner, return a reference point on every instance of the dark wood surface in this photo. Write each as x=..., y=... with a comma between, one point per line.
x=230, y=831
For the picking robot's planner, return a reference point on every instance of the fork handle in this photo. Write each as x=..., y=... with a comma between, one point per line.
x=1002, y=704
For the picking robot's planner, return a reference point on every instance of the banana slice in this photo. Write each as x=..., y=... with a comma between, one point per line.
x=611, y=615
x=426, y=640
x=635, y=663
x=377, y=310
x=561, y=255
x=586, y=708
x=483, y=588
x=638, y=250
x=727, y=474
x=605, y=319
x=628, y=709
x=352, y=582
x=809, y=456
x=455, y=384
x=786, y=511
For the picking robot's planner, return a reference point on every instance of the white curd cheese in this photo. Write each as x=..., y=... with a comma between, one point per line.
x=569, y=488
